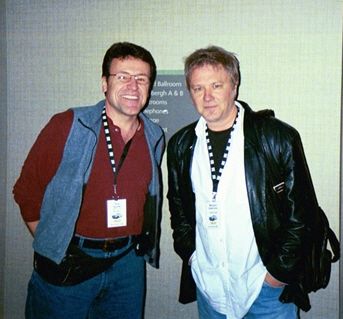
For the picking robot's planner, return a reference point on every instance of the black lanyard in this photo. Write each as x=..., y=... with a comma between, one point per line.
x=111, y=152
x=214, y=174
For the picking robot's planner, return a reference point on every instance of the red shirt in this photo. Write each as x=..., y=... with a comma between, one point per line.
x=132, y=184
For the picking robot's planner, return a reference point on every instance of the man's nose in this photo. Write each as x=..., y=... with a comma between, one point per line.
x=208, y=94
x=133, y=83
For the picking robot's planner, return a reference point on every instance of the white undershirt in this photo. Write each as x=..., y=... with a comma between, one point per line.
x=226, y=265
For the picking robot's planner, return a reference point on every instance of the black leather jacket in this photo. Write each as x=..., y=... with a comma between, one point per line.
x=280, y=215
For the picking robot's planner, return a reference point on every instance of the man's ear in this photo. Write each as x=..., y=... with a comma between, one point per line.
x=104, y=84
x=236, y=91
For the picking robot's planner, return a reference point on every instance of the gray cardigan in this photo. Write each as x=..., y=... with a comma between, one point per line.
x=63, y=195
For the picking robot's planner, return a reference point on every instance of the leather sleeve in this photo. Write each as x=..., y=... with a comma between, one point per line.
x=291, y=208
x=180, y=195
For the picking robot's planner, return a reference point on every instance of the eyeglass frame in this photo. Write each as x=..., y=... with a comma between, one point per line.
x=130, y=76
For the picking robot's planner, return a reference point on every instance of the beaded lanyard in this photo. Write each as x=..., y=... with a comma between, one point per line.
x=111, y=153
x=217, y=175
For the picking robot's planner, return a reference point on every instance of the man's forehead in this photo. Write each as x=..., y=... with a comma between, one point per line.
x=126, y=58
x=206, y=65
x=129, y=61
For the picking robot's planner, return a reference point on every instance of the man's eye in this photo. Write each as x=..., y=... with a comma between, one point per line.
x=196, y=89
x=122, y=77
x=217, y=85
x=142, y=79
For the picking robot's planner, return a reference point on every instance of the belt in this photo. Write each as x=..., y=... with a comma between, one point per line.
x=108, y=245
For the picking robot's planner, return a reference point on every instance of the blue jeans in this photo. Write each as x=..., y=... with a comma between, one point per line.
x=266, y=306
x=117, y=293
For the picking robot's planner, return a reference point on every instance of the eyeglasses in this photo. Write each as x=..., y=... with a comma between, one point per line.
x=126, y=78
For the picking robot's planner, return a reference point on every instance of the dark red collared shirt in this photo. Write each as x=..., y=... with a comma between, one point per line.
x=133, y=178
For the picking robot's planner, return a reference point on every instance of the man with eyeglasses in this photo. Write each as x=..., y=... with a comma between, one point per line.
x=90, y=194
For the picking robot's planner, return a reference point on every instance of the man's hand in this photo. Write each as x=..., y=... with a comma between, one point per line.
x=32, y=227
x=271, y=281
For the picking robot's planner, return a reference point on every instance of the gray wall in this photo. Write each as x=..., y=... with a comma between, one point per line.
x=3, y=147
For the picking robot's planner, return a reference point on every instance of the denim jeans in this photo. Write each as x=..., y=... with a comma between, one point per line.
x=117, y=293
x=266, y=306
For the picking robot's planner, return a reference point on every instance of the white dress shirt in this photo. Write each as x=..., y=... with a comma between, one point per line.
x=226, y=265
